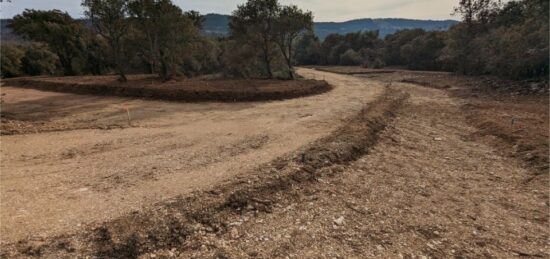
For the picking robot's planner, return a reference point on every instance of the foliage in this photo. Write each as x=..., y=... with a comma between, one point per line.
x=509, y=41
x=38, y=60
x=169, y=33
x=394, y=42
x=422, y=53
x=373, y=57
x=308, y=49
x=289, y=24
x=253, y=24
x=350, y=58
x=64, y=36
x=10, y=60
x=109, y=19
x=266, y=40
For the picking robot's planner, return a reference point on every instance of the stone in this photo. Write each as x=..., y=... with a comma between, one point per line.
x=339, y=221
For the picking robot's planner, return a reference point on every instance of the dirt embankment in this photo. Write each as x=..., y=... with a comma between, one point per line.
x=511, y=115
x=352, y=70
x=179, y=222
x=190, y=90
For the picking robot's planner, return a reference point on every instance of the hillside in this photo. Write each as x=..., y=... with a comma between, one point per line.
x=385, y=26
x=217, y=24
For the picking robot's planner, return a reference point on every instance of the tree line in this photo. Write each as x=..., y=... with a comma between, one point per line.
x=155, y=36
x=508, y=40
x=267, y=39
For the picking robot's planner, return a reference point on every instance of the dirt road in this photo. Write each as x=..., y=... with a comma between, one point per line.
x=422, y=186
x=86, y=164
x=426, y=190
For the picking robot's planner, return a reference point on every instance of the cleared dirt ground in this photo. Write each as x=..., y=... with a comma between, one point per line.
x=400, y=171
x=94, y=166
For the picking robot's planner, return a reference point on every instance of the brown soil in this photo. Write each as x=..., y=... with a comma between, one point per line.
x=171, y=223
x=352, y=70
x=93, y=166
x=511, y=115
x=401, y=178
x=190, y=90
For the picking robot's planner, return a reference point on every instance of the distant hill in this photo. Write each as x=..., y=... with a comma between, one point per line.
x=384, y=26
x=217, y=25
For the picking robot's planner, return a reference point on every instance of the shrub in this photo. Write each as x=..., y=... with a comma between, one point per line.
x=39, y=60
x=350, y=58
x=10, y=59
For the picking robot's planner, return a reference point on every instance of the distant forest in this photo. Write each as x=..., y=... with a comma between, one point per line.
x=218, y=25
x=264, y=39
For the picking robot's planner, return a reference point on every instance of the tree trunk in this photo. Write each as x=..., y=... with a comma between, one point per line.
x=289, y=59
x=287, y=56
x=165, y=72
x=67, y=66
x=267, y=59
x=122, y=76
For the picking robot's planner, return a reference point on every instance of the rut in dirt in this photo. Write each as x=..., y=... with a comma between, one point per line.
x=171, y=223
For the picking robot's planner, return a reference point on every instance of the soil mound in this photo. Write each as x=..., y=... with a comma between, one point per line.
x=189, y=90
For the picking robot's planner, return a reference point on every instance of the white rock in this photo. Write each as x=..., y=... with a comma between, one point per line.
x=339, y=221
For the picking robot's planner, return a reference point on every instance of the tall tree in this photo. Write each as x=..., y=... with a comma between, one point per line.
x=169, y=33
x=253, y=23
x=64, y=36
x=290, y=23
x=476, y=10
x=109, y=18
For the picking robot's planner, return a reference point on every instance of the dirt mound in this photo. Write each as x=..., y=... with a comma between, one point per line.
x=191, y=90
x=176, y=223
x=352, y=70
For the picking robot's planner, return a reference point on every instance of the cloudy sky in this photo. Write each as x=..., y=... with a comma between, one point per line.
x=324, y=10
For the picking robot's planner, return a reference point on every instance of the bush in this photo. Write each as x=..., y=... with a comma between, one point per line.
x=10, y=59
x=39, y=60
x=350, y=58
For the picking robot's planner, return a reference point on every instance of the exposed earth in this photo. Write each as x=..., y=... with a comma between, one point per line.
x=181, y=90
x=384, y=165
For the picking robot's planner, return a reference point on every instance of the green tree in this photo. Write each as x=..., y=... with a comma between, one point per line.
x=10, y=60
x=350, y=58
x=476, y=11
x=169, y=32
x=109, y=18
x=308, y=49
x=195, y=17
x=290, y=22
x=253, y=24
x=39, y=60
x=64, y=36
x=97, y=61
x=394, y=42
x=423, y=52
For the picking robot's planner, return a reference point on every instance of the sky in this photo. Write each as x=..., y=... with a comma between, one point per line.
x=324, y=10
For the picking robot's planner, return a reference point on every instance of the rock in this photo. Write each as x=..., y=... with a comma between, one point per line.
x=438, y=139
x=339, y=221
x=234, y=233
